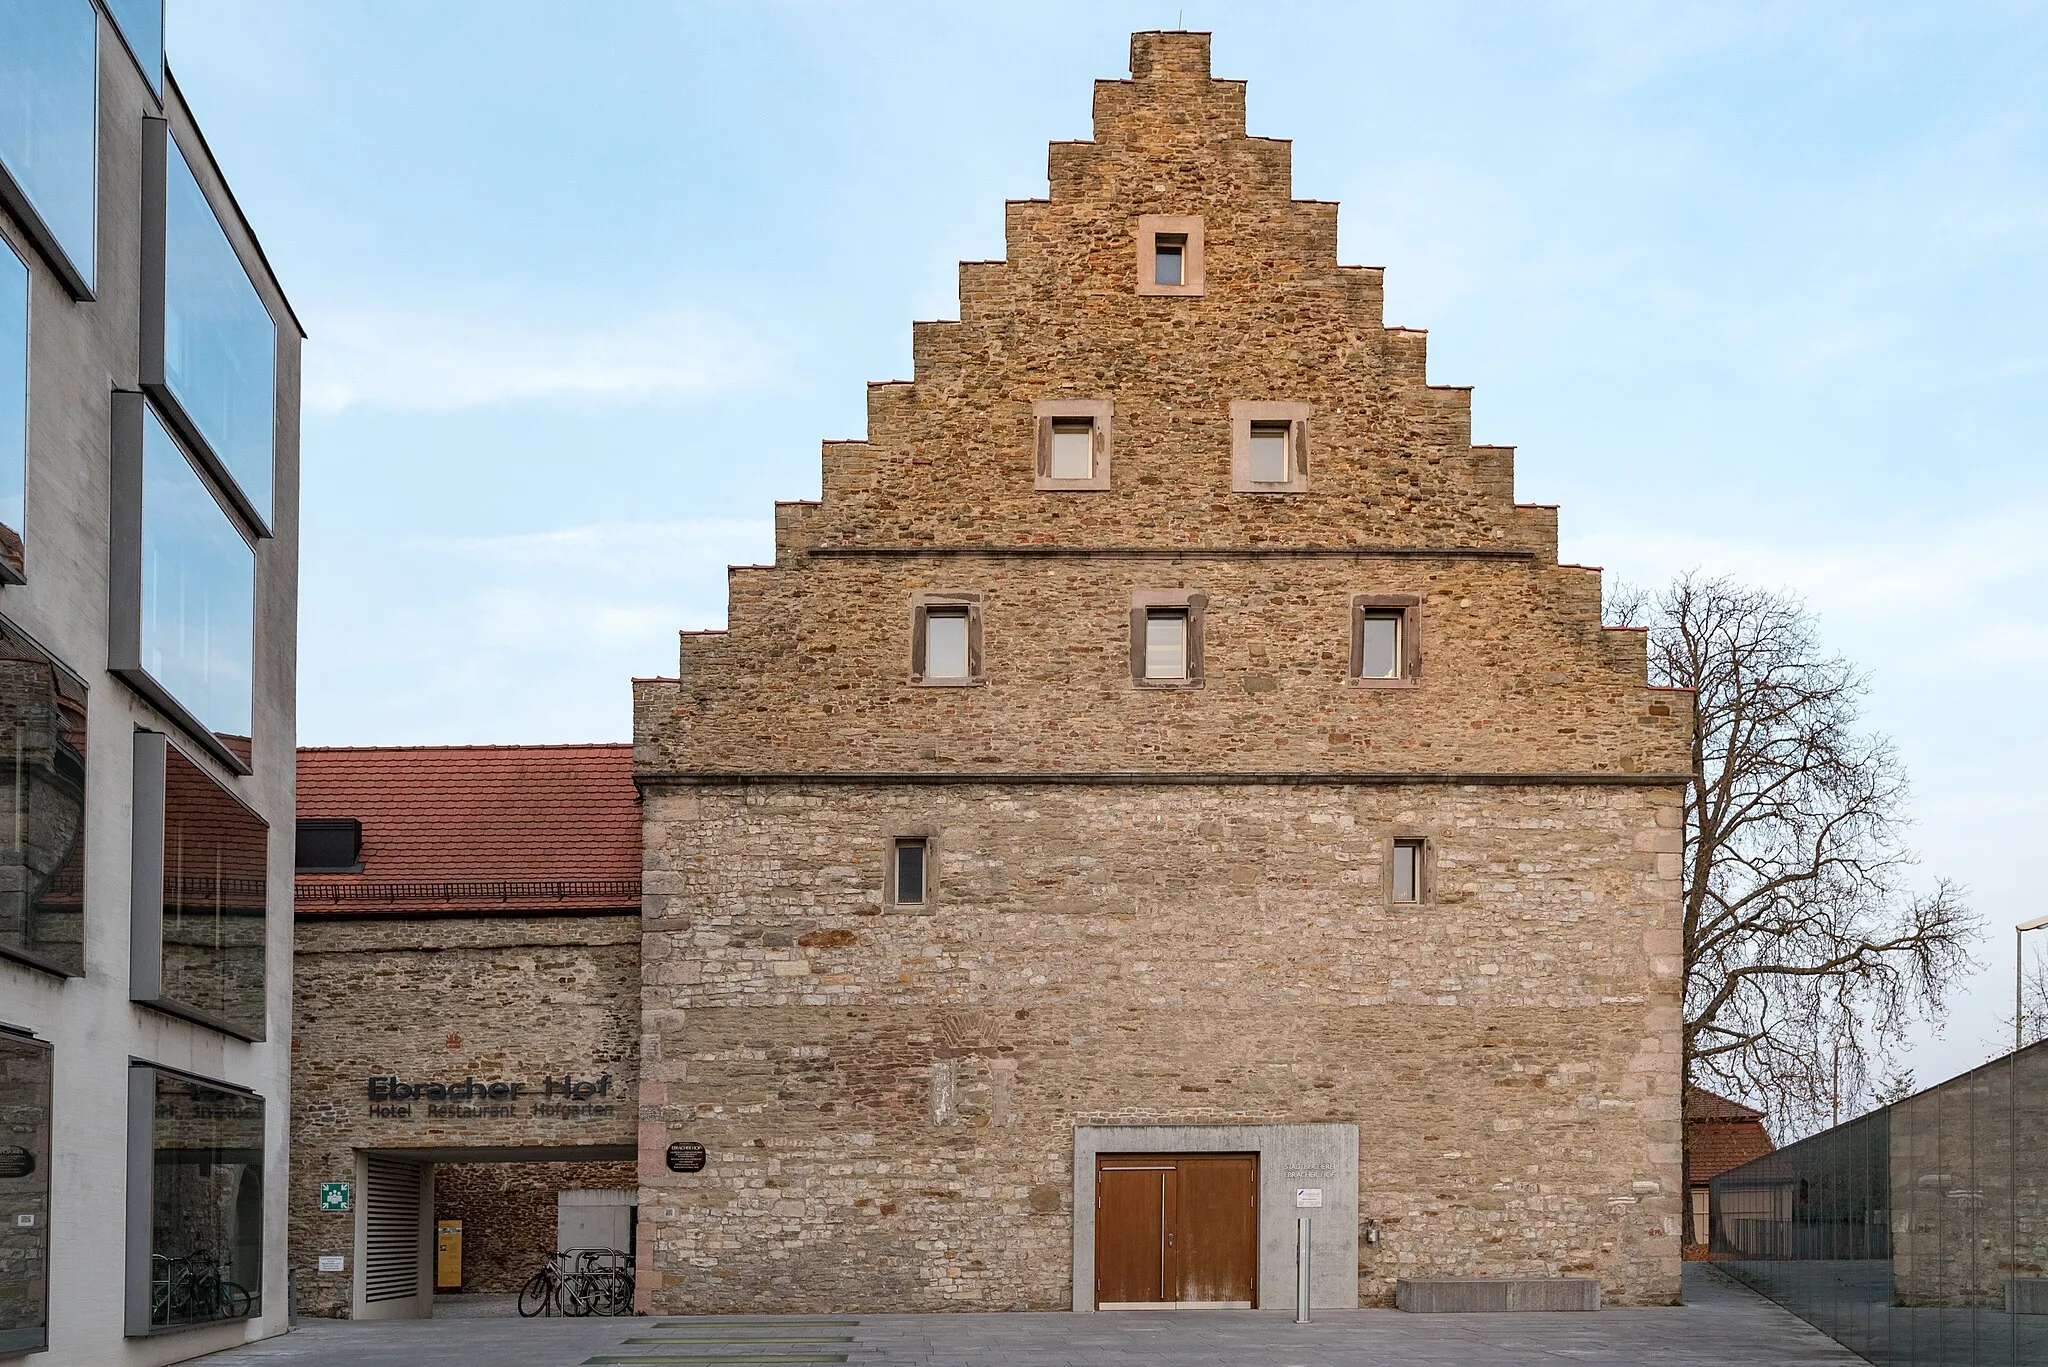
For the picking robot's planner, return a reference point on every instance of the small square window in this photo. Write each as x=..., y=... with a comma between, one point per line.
x=1380, y=645
x=1408, y=871
x=945, y=643
x=1073, y=448
x=1270, y=441
x=1166, y=643
x=911, y=857
x=1386, y=639
x=1169, y=255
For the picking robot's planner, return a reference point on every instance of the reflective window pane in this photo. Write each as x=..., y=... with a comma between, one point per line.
x=910, y=870
x=1166, y=645
x=1407, y=870
x=1166, y=260
x=42, y=807
x=142, y=27
x=198, y=591
x=13, y=403
x=1269, y=452
x=24, y=1193
x=1380, y=646
x=945, y=645
x=220, y=346
x=216, y=864
x=205, y=1203
x=1073, y=450
x=49, y=90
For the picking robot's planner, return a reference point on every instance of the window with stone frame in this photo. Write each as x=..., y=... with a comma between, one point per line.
x=1269, y=447
x=1170, y=255
x=910, y=881
x=945, y=639
x=1166, y=638
x=1407, y=882
x=1073, y=439
x=1386, y=640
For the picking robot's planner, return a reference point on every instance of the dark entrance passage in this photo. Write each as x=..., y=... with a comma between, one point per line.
x=1176, y=1231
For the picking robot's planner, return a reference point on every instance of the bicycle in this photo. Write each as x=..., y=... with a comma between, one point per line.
x=603, y=1283
x=556, y=1289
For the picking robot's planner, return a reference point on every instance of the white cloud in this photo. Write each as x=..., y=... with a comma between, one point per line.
x=447, y=359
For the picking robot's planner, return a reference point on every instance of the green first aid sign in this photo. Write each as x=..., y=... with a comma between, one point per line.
x=334, y=1196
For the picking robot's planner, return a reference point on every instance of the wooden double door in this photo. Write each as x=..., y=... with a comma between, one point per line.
x=1176, y=1230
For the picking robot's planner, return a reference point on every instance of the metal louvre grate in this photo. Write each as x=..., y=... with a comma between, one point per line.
x=391, y=1211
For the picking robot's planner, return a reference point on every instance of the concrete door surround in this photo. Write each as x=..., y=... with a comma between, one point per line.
x=1320, y=1158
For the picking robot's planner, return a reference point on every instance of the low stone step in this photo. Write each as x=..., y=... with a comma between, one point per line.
x=1495, y=1295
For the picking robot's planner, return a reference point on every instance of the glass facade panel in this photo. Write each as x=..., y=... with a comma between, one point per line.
x=24, y=1193
x=205, y=1203
x=42, y=807
x=1915, y=1235
x=1073, y=450
x=1269, y=452
x=13, y=404
x=198, y=592
x=1166, y=645
x=220, y=346
x=1380, y=647
x=49, y=97
x=945, y=645
x=215, y=885
x=142, y=27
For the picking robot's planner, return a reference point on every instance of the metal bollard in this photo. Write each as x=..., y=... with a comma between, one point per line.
x=1302, y=1258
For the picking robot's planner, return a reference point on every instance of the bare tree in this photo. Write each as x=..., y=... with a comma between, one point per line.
x=2034, y=999
x=1806, y=952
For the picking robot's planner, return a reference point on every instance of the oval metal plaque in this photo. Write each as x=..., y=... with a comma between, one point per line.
x=687, y=1156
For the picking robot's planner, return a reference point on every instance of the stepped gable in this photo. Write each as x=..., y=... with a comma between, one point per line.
x=941, y=496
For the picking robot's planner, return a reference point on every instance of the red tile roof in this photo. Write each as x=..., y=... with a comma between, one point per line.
x=477, y=829
x=1720, y=1134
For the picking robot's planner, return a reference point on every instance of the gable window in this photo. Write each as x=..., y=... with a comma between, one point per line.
x=1386, y=639
x=1166, y=638
x=1269, y=447
x=1169, y=255
x=945, y=638
x=1270, y=441
x=908, y=873
x=1073, y=441
x=1406, y=884
x=945, y=643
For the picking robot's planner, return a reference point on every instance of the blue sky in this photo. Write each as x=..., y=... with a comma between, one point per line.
x=1753, y=287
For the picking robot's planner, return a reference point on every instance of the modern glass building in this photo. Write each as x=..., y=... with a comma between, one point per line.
x=1916, y=1235
x=149, y=385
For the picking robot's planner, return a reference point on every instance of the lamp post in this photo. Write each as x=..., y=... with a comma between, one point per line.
x=2019, y=979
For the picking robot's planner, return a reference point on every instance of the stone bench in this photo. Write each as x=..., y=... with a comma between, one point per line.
x=1495, y=1295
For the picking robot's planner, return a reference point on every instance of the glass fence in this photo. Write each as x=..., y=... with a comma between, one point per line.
x=1915, y=1235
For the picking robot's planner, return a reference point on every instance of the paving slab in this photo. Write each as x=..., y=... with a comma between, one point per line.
x=1723, y=1324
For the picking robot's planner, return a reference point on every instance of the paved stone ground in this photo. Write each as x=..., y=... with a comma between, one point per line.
x=1724, y=1325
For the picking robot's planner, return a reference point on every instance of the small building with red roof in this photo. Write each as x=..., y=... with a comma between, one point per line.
x=466, y=1018
x=1720, y=1134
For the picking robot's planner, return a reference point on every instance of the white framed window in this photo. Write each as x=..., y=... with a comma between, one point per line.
x=1379, y=645
x=1386, y=640
x=1409, y=871
x=1169, y=258
x=1166, y=638
x=1269, y=454
x=1073, y=449
x=1166, y=644
x=1169, y=255
x=1073, y=439
x=945, y=643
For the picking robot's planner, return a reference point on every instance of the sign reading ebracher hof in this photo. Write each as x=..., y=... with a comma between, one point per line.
x=567, y=1097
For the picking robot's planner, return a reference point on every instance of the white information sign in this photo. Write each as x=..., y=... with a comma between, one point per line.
x=333, y=1262
x=1308, y=1198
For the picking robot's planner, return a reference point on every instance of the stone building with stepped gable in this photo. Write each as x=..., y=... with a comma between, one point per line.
x=1166, y=786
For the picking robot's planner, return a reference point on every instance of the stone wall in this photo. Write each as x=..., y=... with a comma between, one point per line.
x=889, y=1098
x=516, y=998
x=508, y=1213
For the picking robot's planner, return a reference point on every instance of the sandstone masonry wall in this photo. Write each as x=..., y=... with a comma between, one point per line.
x=517, y=998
